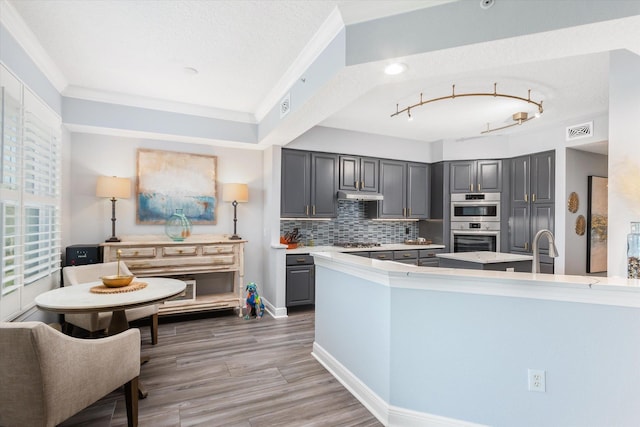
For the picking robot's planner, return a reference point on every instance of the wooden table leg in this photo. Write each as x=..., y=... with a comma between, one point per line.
x=119, y=324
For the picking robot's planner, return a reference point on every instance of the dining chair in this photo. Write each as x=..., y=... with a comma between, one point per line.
x=93, y=322
x=47, y=376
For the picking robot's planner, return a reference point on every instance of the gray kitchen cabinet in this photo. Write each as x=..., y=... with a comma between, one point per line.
x=406, y=256
x=532, y=203
x=437, y=227
x=393, y=186
x=359, y=174
x=418, y=190
x=300, y=280
x=309, y=184
x=382, y=255
x=428, y=258
x=360, y=253
x=476, y=176
x=405, y=187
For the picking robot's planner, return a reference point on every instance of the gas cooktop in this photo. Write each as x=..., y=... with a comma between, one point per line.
x=356, y=245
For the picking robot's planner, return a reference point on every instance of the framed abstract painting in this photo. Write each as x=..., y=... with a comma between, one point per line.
x=597, y=224
x=168, y=181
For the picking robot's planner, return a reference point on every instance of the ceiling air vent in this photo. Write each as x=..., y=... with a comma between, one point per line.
x=582, y=130
x=285, y=105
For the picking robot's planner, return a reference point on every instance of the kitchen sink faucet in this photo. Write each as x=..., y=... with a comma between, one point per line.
x=553, y=251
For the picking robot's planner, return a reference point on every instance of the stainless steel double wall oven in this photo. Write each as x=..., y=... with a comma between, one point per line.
x=475, y=222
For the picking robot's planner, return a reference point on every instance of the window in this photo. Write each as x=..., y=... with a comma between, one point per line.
x=30, y=181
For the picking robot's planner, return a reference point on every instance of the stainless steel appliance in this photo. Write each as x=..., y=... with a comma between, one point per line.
x=475, y=222
x=475, y=207
x=475, y=236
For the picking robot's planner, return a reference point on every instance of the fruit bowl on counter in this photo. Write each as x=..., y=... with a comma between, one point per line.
x=418, y=241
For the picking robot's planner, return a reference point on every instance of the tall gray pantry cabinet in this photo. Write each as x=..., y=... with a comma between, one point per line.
x=309, y=182
x=532, y=203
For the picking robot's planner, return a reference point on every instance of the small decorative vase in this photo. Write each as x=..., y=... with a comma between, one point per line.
x=633, y=251
x=178, y=226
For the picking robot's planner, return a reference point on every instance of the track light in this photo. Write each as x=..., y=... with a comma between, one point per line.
x=519, y=117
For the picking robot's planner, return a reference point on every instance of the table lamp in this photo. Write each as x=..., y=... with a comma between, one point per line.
x=235, y=193
x=114, y=188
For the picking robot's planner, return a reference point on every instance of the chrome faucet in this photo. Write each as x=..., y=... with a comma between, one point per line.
x=553, y=251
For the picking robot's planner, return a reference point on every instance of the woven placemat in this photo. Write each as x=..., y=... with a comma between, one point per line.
x=133, y=286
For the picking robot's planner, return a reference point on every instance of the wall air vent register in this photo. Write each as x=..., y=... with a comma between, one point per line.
x=582, y=130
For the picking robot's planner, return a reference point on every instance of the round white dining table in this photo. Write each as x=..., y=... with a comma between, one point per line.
x=80, y=299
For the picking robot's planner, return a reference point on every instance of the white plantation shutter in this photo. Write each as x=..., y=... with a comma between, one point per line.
x=30, y=167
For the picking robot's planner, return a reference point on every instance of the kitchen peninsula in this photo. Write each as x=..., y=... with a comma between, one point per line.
x=427, y=346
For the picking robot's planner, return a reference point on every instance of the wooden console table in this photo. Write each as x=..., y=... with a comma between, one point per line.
x=160, y=256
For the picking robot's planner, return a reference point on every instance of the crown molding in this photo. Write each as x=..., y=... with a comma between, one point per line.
x=15, y=25
x=157, y=104
x=133, y=134
x=318, y=43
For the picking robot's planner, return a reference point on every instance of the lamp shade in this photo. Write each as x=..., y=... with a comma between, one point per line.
x=113, y=187
x=235, y=193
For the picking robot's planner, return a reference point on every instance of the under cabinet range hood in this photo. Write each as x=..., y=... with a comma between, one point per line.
x=359, y=195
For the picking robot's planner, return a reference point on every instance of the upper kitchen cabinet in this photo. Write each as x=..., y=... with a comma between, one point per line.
x=359, y=174
x=476, y=176
x=405, y=187
x=309, y=184
x=532, y=203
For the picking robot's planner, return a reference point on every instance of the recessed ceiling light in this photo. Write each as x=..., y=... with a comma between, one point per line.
x=395, y=68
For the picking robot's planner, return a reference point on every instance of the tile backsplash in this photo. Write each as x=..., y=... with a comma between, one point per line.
x=351, y=225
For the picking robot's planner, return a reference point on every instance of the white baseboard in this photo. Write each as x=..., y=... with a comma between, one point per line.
x=275, y=312
x=401, y=417
x=374, y=403
x=388, y=415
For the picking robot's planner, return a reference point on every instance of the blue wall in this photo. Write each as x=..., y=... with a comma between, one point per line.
x=466, y=356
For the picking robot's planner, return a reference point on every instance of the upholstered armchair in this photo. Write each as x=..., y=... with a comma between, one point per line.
x=47, y=376
x=94, y=322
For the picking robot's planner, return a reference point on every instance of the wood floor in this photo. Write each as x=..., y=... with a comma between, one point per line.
x=227, y=371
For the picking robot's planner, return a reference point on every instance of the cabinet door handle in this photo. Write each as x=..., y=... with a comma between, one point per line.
x=361, y=185
x=355, y=184
x=533, y=197
x=409, y=211
x=526, y=197
x=381, y=256
x=404, y=211
x=406, y=255
x=306, y=210
x=313, y=209
x=471, y=187
x=526, y=246
x=300, y=259
x=479, y=190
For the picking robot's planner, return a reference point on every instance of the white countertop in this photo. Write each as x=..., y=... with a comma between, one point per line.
x=485, y=257
x=584, y=289
x=384, y=247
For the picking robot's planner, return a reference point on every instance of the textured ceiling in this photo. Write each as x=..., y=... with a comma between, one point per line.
x=242, y=49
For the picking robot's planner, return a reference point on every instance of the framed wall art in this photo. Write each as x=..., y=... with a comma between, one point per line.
x=168, y=181
x=597, y=224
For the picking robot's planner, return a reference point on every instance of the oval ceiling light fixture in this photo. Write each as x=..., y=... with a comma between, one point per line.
x=395, y=68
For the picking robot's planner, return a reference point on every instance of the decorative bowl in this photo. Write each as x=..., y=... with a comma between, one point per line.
x=116, y=281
